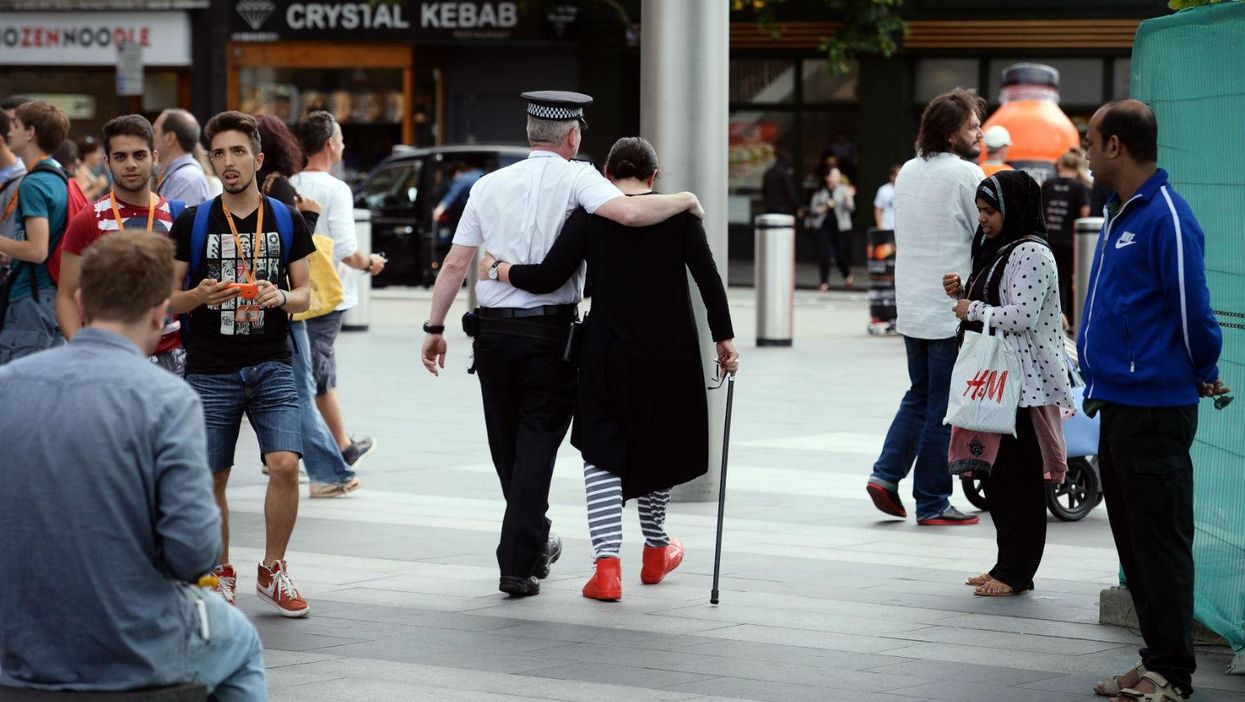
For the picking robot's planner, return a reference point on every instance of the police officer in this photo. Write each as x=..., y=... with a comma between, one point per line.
x=517, y=212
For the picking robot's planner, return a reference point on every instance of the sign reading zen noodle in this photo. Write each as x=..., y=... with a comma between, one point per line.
x=91, y=38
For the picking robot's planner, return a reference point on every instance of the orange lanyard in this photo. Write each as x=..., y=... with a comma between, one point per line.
x=8, y=210
x=151, y=211
x=237, y=240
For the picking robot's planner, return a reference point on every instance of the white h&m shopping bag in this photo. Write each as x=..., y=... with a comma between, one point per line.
x=985, y=383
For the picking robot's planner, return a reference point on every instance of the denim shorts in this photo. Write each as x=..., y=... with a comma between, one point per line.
x=30, y=326
x=267, y=395
x=323, y=333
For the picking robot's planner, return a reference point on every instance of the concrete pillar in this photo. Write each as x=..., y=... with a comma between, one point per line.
x=684, y=59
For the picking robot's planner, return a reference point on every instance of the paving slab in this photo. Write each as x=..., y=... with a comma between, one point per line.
x=822, y=597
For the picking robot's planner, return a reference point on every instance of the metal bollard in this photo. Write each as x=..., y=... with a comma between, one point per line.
x=358, y=317
x=1087, y=229
x=775, y=279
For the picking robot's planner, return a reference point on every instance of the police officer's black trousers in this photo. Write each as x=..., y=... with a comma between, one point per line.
x=1147, y=477
x=529, y=397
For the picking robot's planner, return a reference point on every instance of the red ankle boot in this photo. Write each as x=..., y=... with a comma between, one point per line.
x=606, y=582
x=658, y=562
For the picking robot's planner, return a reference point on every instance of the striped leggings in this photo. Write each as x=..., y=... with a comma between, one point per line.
x=605, y=507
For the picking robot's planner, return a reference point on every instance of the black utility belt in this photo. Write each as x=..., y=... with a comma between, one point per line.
x=525, y=312
x=562, y=328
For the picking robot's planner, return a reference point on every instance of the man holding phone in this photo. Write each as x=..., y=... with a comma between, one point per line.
x=243, y=268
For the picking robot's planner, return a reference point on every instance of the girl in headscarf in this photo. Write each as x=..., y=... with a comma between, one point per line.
x=1014, y=278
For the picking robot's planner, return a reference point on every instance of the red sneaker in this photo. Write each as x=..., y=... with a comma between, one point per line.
x=658, y=562
x=275, y=587
x=606, y=582
x=226, y=583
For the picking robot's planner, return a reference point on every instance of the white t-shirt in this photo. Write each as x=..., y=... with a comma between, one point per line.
x=885, y=201
x=337, y=223
x=935, y=218
x=518, y=211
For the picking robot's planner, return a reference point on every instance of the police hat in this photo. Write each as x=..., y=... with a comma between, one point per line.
x=557, y=105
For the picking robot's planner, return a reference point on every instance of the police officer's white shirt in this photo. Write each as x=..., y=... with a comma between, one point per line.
x=516, y=212
x=935, y=218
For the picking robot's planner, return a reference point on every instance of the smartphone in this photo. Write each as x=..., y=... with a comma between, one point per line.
x=246, y=291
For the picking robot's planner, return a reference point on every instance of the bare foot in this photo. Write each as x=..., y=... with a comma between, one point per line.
x=994, y=588
x=978, y=580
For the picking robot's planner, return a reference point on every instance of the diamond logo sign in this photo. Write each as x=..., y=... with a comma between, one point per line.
x=256, y=12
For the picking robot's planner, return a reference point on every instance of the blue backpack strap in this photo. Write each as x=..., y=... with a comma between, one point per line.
x=198, y=239
x=176, y=207
x=285, y=228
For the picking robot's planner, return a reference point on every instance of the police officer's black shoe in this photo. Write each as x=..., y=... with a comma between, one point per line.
x=517, y=586
x=548, y=556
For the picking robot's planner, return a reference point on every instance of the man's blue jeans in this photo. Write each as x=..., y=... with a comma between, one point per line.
x=230, y=661
x=917, y=432
x=321, y=456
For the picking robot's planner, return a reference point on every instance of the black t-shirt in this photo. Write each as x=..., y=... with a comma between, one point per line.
x=1063, y=199
x=217, y=340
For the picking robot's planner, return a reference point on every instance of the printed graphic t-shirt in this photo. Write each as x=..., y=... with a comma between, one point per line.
x=95, y=221
x=219, y=340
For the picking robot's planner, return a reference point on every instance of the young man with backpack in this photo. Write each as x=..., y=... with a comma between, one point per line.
x=43, y=208
x=129, y=150
x=242, y=258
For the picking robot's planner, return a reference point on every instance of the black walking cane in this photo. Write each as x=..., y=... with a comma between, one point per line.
x=726, y=445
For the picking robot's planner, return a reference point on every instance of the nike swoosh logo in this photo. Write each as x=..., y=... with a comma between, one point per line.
x=1121, y=244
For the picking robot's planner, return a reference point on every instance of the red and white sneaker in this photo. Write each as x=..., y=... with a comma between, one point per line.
x=226, y=583
x=275, y=587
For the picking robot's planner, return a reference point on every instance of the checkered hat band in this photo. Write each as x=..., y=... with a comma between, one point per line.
x=554, y=113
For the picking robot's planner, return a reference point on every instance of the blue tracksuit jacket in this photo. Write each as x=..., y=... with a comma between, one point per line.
x=1149, y=334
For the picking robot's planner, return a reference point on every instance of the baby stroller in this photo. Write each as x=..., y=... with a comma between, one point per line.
x=1081, y=490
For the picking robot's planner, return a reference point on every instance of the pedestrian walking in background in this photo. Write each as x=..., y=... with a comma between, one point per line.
x=997, y=140
x=181, y=176
x=92, y=171
x=778, y=186
x=1014, y=284
x=832, y=207
x=1149, y=347
x=328, y=472
x=935, y=218
x=641, y=418
x=1066, y=198
x=129, y=149
x=28, y=300
x=321, y=139
x=884, y=202
x=117, y=523
x=527, y=385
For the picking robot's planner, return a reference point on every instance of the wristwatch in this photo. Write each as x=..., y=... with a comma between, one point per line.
x=433, y=328
x=492, y=270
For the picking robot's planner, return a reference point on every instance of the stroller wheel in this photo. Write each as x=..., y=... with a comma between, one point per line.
x=1080, y=492
x=975, y=491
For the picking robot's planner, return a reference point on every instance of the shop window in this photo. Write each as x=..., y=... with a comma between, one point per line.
x=1123, y=68
x=821, y=85
x=936, y=76
x=160, y=91
x=755, y=139
x=765, y=81
x=1080, y=80
x=369, y=104
x=828, y=137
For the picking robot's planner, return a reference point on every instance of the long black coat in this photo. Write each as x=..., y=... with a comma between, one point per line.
x=641, y=410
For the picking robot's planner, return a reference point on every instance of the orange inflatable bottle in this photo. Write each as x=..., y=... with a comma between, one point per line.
x=1029, y=108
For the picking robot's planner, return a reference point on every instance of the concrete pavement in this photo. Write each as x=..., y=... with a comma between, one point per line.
x=823, y=598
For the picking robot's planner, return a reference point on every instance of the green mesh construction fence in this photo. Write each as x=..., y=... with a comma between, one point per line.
x=1190, y=69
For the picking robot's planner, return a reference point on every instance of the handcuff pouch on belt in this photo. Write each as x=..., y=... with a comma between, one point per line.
x=569, y=338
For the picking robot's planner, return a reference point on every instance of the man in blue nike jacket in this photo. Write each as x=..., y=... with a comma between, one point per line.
x=1148, y=350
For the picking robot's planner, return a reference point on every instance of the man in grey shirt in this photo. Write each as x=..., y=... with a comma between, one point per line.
x=107, y=512
x=181, y=176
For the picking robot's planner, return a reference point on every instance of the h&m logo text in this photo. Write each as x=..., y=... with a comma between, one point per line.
x=987, y=385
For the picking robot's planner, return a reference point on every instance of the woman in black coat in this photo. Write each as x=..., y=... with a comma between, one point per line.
x=641, y=419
